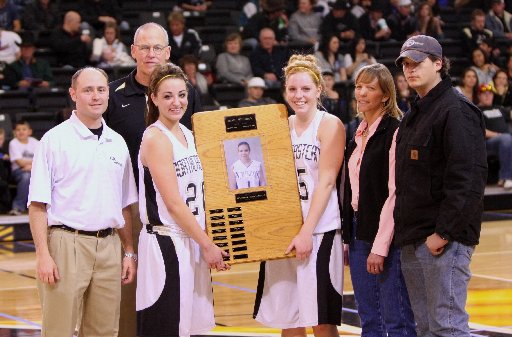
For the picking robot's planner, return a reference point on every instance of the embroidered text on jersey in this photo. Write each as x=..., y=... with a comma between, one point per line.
x=307, y=151
x=187, y=165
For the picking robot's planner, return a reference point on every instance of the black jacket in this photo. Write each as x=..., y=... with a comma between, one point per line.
x=191, y=44
x=441, y=169
x=36, y=17
x=335, y=26
x=261, y=20
x=69, y=48
x=91, y=10
x=127, y=108
x=264, y=62
x=373, y=183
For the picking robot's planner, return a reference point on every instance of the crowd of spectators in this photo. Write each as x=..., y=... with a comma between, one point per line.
x=338, y=32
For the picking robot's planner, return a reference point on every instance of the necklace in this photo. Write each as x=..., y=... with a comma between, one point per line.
x=365, y=132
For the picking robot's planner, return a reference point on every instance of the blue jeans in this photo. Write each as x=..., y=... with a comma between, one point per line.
x=502, y=147
x=382, y=301
x=22, y=179
x=438, y=287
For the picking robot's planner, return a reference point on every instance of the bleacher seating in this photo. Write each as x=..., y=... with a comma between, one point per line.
x=159, y=17
x=53, y=100
x=275, y=93
x=162, y=5
x=222, y=18
x=6, y=124
x=228, y=94
x=227, y=4
x=389, y=49
x=14, y=101
x=216, y=17
x=215, y=35
x=62, y=77
x=134, y=5
x=47, y=54
x=40, y=122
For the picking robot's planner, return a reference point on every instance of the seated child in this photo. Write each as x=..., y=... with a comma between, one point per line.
x=21, y=151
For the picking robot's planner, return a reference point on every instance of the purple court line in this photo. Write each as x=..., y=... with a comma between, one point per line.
x=234, y=287
x=19, y=319
x=254, y=292
x=27, y=244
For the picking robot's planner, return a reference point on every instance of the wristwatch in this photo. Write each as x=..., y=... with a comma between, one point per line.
x=131, y=256
x=444, y=236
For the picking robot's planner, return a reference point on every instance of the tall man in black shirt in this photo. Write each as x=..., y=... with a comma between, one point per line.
x=125, y=114
x=441, y=171
x=127, y=101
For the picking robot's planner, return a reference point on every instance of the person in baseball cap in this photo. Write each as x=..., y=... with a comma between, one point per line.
x=418, y=48
x=440, y=177
x=255, y=94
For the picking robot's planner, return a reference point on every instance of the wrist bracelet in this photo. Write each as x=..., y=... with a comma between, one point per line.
x=131, y=256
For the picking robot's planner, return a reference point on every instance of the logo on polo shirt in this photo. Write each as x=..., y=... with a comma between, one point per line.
x=115, y=161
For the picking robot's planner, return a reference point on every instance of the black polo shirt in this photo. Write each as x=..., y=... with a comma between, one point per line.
x=127, y=108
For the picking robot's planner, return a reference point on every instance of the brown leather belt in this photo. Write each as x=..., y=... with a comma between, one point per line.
x=102, y=233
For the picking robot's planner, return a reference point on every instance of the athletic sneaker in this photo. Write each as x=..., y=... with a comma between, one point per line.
x=15, y=211
x=508, y=184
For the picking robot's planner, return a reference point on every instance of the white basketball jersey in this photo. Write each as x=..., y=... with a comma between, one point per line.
x=247, y=176
x=306, y=151
x=189, y=173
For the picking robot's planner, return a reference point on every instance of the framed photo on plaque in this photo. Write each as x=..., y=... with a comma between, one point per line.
x=251, y=193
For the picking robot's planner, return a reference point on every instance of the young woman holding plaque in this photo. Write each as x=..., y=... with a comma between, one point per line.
x=246, y=172
x=379, y=287
x=174, y=291
x=307, y=290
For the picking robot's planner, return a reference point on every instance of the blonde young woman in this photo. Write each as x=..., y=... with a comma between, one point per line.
x=307, y=290
x=379, y=287
x=174, y=291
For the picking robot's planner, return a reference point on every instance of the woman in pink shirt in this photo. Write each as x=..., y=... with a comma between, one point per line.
x=379, y=288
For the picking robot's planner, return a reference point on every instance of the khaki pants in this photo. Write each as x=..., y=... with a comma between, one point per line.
x=87, y=296
x=128, y=320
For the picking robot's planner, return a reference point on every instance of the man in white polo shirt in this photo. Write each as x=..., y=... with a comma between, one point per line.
x=80, y=191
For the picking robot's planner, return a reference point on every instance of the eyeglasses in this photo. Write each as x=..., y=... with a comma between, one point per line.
x=156, y=49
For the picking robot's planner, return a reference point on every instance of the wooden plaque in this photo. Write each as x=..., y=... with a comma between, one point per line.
x=250, y=222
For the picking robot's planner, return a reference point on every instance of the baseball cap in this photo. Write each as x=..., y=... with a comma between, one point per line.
x=27, y=39
x=404, y=3
x=256, y=82
x=377, y=6
x=341, y=4
x=418, y=48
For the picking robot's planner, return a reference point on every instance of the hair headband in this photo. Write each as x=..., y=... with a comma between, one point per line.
x=309, y=71
x=167, y=76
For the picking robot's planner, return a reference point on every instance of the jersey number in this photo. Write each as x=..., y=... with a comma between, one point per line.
x=191, y=201
x=303, y=188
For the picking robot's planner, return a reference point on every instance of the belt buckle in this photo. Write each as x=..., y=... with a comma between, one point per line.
x=98, y=233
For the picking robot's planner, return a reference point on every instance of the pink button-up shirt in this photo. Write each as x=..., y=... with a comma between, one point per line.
x=386, y=223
